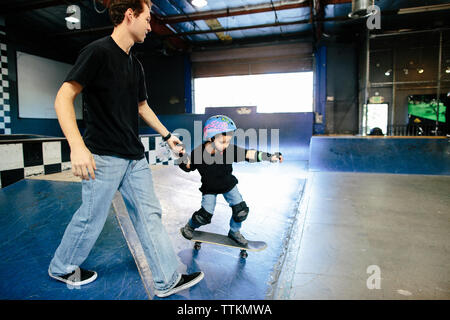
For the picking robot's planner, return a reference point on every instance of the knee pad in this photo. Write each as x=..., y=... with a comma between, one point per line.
x=240, y=211
x=202, y=217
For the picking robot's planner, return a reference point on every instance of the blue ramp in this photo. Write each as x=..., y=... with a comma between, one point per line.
x=33, y=217
x=35, y=213
x=406, y=155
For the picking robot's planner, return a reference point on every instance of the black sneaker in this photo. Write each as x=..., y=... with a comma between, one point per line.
x=238, y=237
x=186, y=281
x=187, y=231
x=78, y=277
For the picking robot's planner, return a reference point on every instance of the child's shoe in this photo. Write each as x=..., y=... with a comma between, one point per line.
x=187, y=231
x=238, y=237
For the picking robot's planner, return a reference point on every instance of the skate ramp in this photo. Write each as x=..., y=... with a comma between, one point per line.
x=400, y=155
x=34, y=214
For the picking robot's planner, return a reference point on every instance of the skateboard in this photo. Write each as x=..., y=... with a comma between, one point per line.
x=222, y=240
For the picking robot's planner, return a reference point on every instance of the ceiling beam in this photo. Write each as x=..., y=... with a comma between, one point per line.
x=327, y=2
x=157, y=27
x=258, y=26
x=437, y=7
x=319, y=15
x=21, y=7
x=161, y=29
x=282, y=5
x=231, y=12
x=97, y=30
x=318, y=19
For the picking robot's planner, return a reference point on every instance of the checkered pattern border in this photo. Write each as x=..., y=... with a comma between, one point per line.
x=157, y=151
x=30, y=158
x=46, y=156
x=5, y=118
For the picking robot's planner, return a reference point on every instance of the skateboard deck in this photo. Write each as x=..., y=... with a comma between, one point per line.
x=222, y=240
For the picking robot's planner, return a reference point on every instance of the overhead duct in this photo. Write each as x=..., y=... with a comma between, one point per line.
x=359, y=8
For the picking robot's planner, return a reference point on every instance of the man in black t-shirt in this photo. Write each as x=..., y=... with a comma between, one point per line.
x=110, y=156
x=213, y=160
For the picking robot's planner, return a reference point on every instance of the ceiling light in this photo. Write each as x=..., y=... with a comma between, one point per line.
x=447, y=70
x=388, y=73
x=359, y=9
x=420, y=70
x=199, y=3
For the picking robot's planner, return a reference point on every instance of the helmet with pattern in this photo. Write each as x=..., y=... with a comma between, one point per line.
x=216, y=125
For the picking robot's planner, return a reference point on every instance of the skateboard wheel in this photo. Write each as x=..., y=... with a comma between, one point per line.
x=197, y=246
x=244, y=254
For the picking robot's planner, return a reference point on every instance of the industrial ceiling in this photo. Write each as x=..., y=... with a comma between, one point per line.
x=179, y=26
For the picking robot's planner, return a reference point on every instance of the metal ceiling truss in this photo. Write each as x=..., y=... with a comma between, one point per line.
x=210, y=18
x=177, y=30
x=35, y=5
x=231, y=12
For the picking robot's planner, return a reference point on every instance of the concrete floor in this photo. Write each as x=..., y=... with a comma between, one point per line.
x=347, y=225
x=348, y=222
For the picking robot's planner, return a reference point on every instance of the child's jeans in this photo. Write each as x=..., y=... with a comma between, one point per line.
x=233, y=197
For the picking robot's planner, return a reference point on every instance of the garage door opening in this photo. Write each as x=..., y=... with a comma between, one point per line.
x=270, y=93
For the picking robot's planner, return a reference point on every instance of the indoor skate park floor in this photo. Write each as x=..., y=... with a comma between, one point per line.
x=330, y=235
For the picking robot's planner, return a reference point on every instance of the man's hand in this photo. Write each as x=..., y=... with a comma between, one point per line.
x=176, y=145
x=83, y=163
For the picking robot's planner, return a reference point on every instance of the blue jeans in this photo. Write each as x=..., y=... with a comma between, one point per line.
x=233, y=197
x=133, y=178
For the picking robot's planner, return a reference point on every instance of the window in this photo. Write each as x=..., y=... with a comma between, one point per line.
x=279, y=92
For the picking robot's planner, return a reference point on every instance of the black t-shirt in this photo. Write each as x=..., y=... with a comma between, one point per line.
x=113, y=85
x=216, y=170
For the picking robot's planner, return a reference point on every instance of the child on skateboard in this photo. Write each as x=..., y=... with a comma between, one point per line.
x=213, y=159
